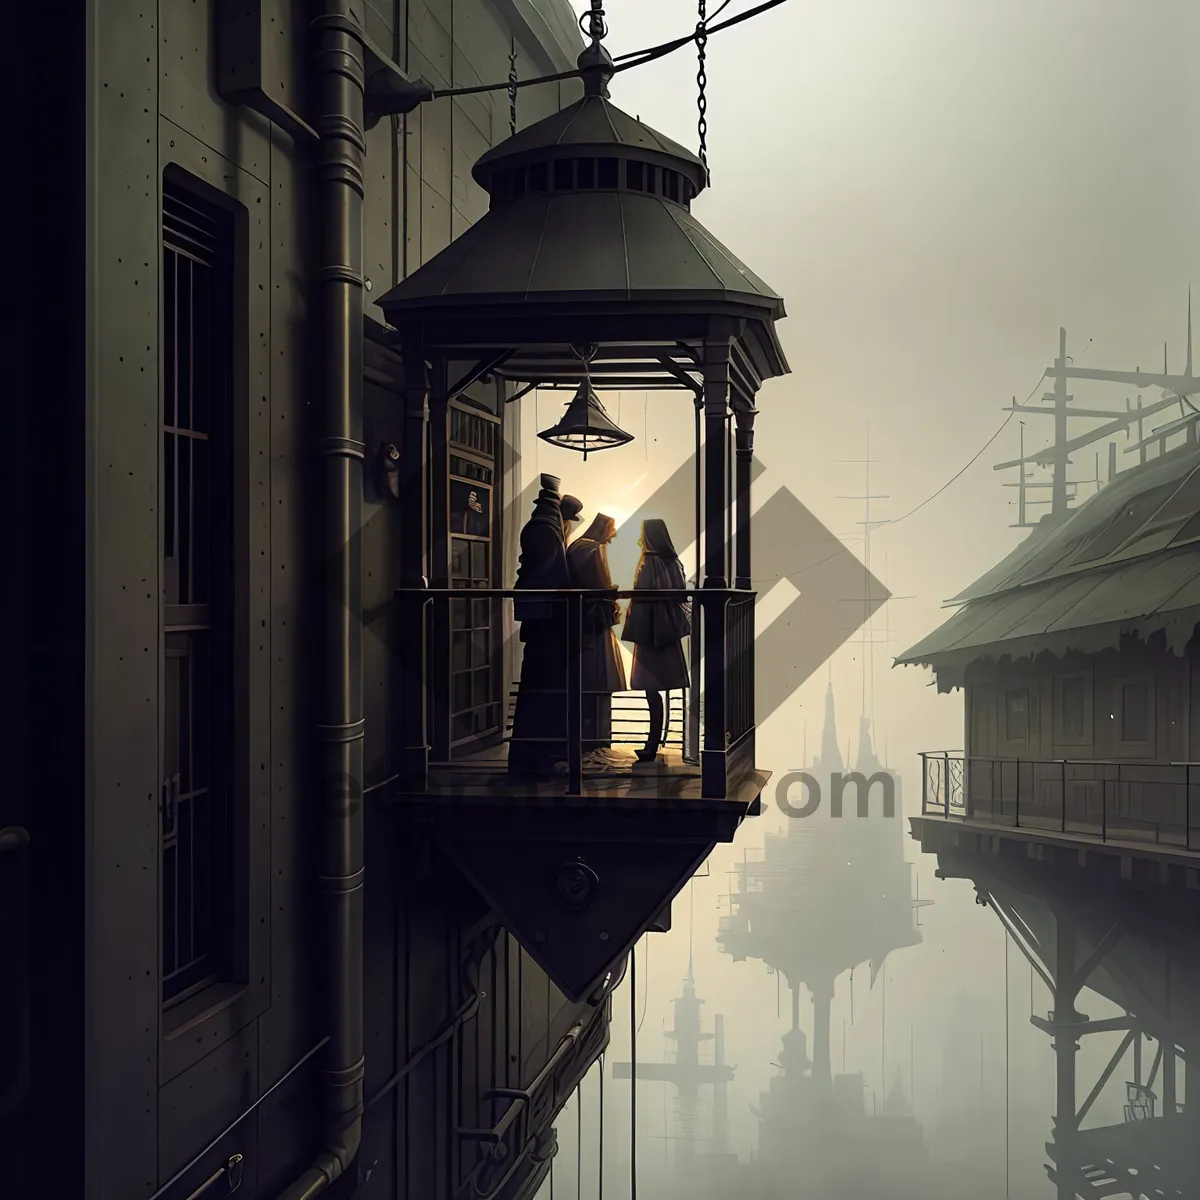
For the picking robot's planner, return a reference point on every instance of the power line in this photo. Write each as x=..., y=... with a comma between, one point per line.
x=975, y=458
x=841, y=549
x=622, y=62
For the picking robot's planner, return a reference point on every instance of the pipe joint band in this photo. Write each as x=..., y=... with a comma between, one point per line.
x=339, y=447
x=339, y=885
x=340, y=1077
x=339, y=23
x=338, y=273
x=336, y=734
x=338, y=126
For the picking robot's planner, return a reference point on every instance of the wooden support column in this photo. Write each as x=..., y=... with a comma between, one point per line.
x=438, y=666
x=694, y=733
x=409, y=668
x=716, y=366
x=716, y=450
x=1066, y=1046
x=744, y=453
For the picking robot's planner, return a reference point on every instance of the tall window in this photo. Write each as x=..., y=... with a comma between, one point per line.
x=475, y=676
x=196, y=482
x=1016, y=714
x=1135, y=712
x=1073, y=709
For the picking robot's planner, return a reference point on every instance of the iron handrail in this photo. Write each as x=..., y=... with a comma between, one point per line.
x=727, y=727
x=960, y=799
x=1082, y=762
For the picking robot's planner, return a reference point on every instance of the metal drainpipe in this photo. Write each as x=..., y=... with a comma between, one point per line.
x=340, y=79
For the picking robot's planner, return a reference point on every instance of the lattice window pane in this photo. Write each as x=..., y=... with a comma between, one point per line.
x=196, y=553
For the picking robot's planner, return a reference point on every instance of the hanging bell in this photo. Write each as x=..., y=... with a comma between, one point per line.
x=585, y=426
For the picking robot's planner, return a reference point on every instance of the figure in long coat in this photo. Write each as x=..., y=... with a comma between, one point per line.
x=656, y=628
x=539, y=720
x=602, y=671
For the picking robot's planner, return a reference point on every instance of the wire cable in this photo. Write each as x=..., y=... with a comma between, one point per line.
x=622, y=62
x=974, y=459
x=600, y=1171
x=646, y=987
x=632, y=1074
x=841, y=549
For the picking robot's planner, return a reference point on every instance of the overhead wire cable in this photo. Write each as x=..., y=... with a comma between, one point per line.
x=928, y=500
x=621, y=62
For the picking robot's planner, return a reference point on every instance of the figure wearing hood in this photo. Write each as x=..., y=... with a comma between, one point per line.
x=539, y=724
x=602, y=671
x=656, y=628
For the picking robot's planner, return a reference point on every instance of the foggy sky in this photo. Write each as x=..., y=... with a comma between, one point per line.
x=934, y=186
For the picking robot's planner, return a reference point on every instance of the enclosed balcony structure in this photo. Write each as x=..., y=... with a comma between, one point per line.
x=589, y=267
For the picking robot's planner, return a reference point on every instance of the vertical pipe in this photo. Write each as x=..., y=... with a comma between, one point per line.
x=633, y=1072
x=340, y=85
x=1065, y=1047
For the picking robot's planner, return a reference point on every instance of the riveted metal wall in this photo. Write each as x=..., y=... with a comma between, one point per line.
x=123, y=643
x=157, y=1090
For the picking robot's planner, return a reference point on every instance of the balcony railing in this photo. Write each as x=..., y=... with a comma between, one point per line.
x=722, y=619
x=1111, y=800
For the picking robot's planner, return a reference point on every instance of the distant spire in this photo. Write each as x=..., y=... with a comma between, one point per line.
x=831, y=754
x=896, y=1103
x=867, y=762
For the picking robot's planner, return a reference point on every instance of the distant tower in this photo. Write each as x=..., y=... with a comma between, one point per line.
x=827, y=895
x=689, y=1074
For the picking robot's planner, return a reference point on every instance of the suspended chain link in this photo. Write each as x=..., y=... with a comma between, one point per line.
x=512, y=88
x=701, y=85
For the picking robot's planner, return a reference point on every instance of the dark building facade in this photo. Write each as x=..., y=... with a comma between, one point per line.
x=279, y=927
x=1077, y=661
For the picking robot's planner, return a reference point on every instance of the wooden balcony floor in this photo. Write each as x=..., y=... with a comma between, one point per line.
x=483, y=777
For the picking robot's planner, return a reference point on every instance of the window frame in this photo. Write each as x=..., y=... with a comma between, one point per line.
x=461, y=410
x=1087, y=735
x=194, y=1026
x=1008, y=691
x=1142, y=748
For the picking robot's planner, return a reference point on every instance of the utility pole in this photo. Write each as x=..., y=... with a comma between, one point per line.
x=1176, y=389
x=1058, y=495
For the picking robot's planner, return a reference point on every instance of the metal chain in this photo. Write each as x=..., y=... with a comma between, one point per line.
x=701, y=84
x=512, y=88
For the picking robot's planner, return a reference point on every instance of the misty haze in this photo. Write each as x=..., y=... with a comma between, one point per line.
x=605, y=601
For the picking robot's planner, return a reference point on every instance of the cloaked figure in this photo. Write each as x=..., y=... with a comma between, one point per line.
x=539, y=719
x=602, y=672
x=656, y=628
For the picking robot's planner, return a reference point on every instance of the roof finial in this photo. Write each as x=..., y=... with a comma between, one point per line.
x=595, y=63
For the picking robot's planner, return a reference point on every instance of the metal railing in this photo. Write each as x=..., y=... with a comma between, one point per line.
x=722, y=619
x=1111, y=800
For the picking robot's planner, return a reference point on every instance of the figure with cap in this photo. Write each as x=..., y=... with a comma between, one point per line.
x=602, y=671
x=656, y=628
x=538, y=743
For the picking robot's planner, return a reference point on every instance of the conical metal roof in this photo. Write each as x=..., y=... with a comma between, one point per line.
x=583, y=246
x=592, y=126
x=589, y=226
